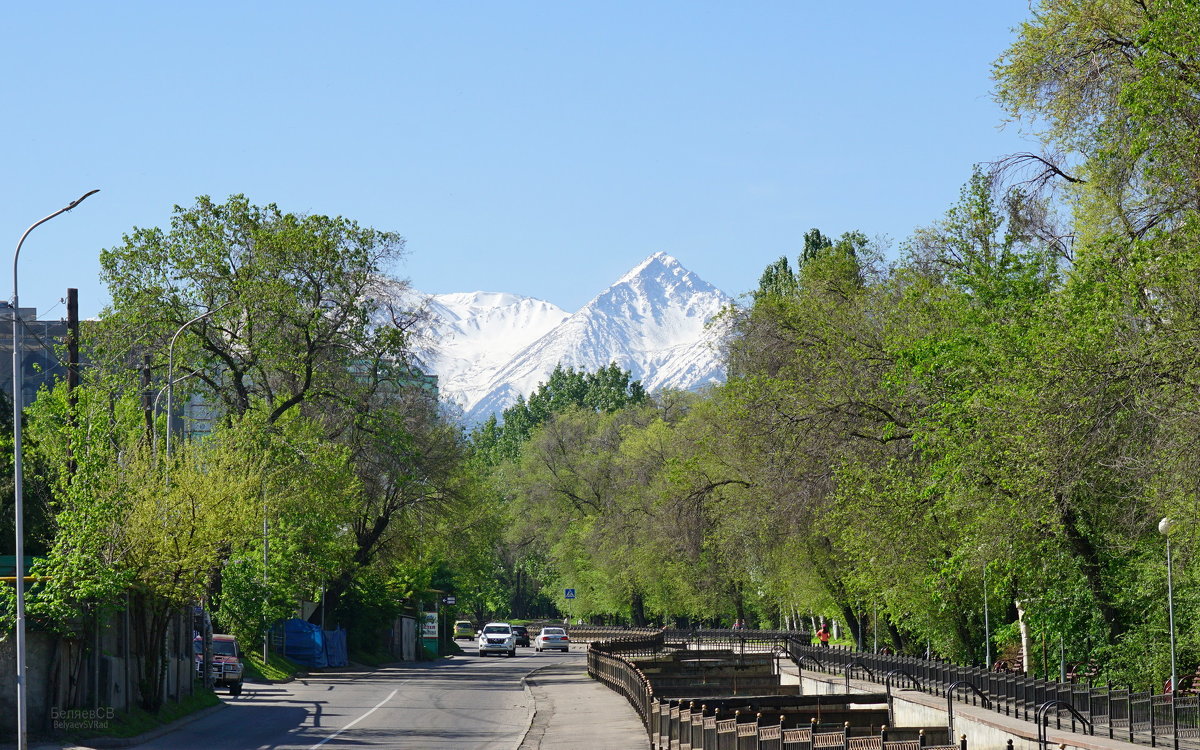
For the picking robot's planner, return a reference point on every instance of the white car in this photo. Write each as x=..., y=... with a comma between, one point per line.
x=552, y=638
x=497, y=638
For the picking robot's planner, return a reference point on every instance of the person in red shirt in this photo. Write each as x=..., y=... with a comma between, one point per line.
x=823, y=635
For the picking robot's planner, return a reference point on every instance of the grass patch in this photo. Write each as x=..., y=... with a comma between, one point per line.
x=137, y=721
x=278, y=667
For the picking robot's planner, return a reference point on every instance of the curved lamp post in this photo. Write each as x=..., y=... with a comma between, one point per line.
x=171, y=377
x=18, y=479
x=206, y=662
x=1164, y=528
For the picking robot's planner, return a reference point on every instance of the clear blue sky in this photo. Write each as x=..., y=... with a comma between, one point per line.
x=535, y=148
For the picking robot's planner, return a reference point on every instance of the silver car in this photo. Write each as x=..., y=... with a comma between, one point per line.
x=552, y=638
x=497, y=638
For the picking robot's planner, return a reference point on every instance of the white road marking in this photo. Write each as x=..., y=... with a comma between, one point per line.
x=368, y=713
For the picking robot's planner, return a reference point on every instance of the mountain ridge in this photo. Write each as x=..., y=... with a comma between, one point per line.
x=653, y=321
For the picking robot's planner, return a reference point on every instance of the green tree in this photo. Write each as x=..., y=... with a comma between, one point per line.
x=410, y=463
x=607, y=389
x=298, y=306
x=122, y=531
x=306, y=490
x=777, y=280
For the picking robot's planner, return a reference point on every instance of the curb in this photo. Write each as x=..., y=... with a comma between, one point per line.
x=112, y=742
x=532, y=703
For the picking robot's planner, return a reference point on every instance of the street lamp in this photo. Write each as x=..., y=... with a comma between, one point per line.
x=171, y=377
x=987, y=625
x=18, y=494
x=206, y=661
x=1164, y=528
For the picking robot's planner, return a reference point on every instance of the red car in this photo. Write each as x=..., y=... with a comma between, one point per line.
x=226, y=661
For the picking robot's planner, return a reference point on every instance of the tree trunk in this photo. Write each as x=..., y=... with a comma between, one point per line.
x=365, y=550
x=853, y=623
x=637, y=609
x=149, y=631
x=1023, y=624
x=898, y=638
x=1092, y=567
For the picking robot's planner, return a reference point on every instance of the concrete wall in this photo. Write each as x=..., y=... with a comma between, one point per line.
x=38, y=655
x=89, y=678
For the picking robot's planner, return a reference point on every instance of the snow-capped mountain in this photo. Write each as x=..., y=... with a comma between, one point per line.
x=492, y=347
x=474, y=334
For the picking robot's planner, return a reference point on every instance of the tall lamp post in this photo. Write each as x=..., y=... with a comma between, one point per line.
x=171, y=376
x=987, y=625
x=18, y=494
x=206, y=660
x=1164, y=528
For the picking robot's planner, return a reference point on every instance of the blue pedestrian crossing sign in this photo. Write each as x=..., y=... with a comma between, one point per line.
x=569, y=593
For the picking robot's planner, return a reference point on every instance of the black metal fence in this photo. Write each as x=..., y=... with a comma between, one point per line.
x=714, y=725
x=731, y=723
x=592, y=633
x=608, y=661
x=1119, y=713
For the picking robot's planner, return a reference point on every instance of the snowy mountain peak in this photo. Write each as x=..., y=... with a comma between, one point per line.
x=480, y=300
x=652, y=322
x=653, y=265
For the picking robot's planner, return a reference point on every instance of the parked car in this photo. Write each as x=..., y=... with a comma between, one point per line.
x=226, y=661
x=522, y=634
x=463, y=630
x=552, y=638
x=497, y=637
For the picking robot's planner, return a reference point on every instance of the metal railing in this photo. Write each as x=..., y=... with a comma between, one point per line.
x=751, y=723
x=592, y=633
x=608, y=661
x=1119, y=713
x=715, y=724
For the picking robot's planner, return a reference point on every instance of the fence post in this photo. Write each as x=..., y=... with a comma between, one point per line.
x=962, y=742
x=1174, y=717
x=1150, y=705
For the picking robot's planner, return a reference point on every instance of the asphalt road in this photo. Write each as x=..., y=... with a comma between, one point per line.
x=467, y=702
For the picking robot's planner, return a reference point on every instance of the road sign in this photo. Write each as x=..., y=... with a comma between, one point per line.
x=569, y=593
x=450, y=600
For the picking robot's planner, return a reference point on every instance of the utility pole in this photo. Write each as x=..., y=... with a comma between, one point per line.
x=72, y=371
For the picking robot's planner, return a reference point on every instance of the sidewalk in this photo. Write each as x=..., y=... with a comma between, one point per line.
x=573, y=710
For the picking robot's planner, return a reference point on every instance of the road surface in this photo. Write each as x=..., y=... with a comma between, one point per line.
x=466, y=702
